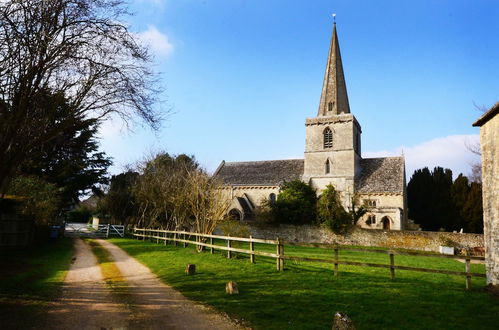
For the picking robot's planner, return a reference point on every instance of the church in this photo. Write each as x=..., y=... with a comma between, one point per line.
x=332, y=156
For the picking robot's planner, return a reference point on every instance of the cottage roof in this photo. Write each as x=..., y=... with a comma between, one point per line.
x=265, y=173
x=488, y=115
x=381, y=175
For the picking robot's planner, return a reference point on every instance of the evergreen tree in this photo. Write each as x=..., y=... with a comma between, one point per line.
x=435, y=202
x=473, y=210
x=419, y=188
x=429, y=198
x=459, y=193
x=71, y=160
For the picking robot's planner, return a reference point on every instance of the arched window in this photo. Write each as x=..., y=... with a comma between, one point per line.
x=330, y=106
x=235, y=214
x=328, y=138
x=328, y=167
x=272, y=198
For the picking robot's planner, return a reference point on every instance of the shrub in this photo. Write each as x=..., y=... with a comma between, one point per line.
x=295, y=204
x=234, y=228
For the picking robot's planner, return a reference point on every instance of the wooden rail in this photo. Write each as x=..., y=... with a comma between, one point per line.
x=180, y=236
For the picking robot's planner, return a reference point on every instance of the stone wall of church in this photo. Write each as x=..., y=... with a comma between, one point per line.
x=256, y=194
x=388, y=207
x=489, y=140
x=417, y=240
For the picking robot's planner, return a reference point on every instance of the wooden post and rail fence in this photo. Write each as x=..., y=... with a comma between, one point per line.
x=207, y=241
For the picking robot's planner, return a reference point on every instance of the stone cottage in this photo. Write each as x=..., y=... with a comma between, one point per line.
x=332, y=156
x=489, y=143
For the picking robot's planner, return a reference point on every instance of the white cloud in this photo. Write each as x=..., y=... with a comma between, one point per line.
x=157, y=41
x=447, y=152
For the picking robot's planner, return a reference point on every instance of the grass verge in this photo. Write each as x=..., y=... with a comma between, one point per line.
x=29, y=279
x=306, y=295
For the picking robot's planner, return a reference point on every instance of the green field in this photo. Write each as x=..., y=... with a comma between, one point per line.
x=306, y=295
x=29, y=279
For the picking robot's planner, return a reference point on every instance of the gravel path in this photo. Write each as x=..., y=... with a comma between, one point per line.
x=158, y=306
x=87, y=303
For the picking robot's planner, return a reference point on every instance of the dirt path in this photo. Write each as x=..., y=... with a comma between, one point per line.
x=86, y=302
x=158, y=306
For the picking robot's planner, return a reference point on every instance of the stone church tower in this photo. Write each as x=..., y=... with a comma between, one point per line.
x=332, y=156
x=332, y=147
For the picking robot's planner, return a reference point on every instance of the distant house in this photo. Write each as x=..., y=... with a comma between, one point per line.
x=332, y=156
x=489, y=143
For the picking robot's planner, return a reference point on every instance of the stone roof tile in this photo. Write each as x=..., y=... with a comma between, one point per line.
x=265, y=173
x=381, y=175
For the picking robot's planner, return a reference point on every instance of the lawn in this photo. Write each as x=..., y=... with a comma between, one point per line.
x=306, y=295
x=29, y=279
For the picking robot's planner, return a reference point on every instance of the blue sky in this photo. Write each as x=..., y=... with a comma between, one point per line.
x=241, y=76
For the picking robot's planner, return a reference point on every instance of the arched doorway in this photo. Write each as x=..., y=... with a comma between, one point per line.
x=386, y=223
x=234, y=214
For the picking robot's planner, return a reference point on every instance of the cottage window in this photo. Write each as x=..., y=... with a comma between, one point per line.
x=328, y=138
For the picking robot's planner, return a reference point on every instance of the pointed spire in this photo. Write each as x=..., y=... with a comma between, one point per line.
x=334, y=98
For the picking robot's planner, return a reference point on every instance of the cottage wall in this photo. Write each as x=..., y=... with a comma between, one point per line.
x=489, y=140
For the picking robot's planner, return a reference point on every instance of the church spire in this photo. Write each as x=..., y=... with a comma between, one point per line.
x=334, y=98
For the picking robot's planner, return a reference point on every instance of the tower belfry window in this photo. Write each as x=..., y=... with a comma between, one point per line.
x=330, y=106
x=328, y=138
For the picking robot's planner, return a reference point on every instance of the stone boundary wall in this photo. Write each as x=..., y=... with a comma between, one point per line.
x=417, y=240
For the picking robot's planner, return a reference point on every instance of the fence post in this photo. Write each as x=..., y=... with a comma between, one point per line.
x=211, y=243
x=157, y=236
x=229, y=255
x=107, y=232
x=281, y=253
x=279, y=260
x=252, y=250
x=392, y=265
x=185, y=243
x=468, y=270
x=166, y=237
x=335, y=260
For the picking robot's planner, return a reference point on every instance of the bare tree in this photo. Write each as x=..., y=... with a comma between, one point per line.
x=162, y=191
x=77, y=48
x=474, y=148
x=172, y=192
x=207, y=200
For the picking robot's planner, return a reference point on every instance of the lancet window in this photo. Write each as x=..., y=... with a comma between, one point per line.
x=328, y=138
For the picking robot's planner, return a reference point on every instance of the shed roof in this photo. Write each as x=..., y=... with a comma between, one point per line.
x=381, y=175
x=265, y=173
x=488, y=115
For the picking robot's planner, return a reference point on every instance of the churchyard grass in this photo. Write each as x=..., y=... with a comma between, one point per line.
x=29, y=279
x=306, y=294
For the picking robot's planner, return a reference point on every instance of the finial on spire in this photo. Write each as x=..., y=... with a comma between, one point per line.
x=334, y=18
